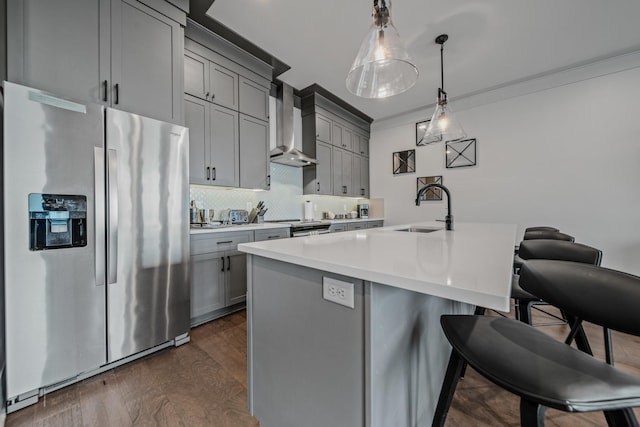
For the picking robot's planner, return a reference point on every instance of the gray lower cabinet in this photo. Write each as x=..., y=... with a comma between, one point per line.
x=338, y=228
x=271, y=234
x=235, y=278
x=356, y=226
x=218, y=274
x=119, y=53
x=375, y=224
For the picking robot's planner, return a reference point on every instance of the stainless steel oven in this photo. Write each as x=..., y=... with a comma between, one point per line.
x=307, y=228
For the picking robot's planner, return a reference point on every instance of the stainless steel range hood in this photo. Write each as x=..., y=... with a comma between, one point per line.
x=285, y=152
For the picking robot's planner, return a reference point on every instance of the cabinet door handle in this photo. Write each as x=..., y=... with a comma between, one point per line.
x=213, y=96
x=117, y=97
x=225, y=242
x=344, y=189
x=222, y=259
x=318, y=187
x=268, y=180
x=228, y=263
x=207, y=96
x=213, y=178
x=105, y=87
x=362, y=191
x=208, y=173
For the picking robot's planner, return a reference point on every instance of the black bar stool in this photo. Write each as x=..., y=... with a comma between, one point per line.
x=536, y=233
x=543, y=371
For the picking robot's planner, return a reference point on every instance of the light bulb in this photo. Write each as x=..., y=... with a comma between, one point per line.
x=380, y=52
x=443, y=123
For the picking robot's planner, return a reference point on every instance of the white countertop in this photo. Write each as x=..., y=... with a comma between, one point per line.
x=238, y=227
x=472, y=264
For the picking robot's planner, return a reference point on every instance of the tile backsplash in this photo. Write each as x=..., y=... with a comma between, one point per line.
x=285, y=199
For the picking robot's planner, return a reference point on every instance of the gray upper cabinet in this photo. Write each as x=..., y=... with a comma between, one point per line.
x=323, y=129
x=210, y=81
x=146, y=57
x=363, y=144
x=339, y=140
x=224, y=86
x=360, y=176
x=196, y=118
x=342, y=168
x=234, y=87
x=196, y=75
x=254, y=153
x=214, y=147
x=120, y=53
x=254, y=99
x=225, y=146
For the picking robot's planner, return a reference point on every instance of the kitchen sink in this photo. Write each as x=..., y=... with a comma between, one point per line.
x=419, y=229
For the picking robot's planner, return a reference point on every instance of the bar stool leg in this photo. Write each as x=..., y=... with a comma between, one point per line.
x=531, y=414
x=621, y=418
x=451, y=378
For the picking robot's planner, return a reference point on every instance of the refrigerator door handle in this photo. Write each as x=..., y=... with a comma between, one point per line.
x=112, y=222
x=99, y=226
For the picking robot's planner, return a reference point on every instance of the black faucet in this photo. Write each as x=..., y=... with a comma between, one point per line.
x=449, y=218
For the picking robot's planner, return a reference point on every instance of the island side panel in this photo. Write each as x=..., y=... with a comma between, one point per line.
x=306, y=354
x=407, y=354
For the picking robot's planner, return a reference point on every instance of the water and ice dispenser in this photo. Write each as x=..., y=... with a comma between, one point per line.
x=57, y=221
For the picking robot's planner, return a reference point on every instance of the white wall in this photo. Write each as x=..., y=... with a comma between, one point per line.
x=566, y=156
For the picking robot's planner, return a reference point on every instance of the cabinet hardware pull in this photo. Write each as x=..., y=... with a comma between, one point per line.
x=208, y=173
x=362, y=191
x=344, y=189
x=228, y=263
x=117, y=88
x=268, y=180
x=213, y=96
x=105, y=85
x=222, y=259
x=226, y=241
x=214, y=174
x=207, y=96
x=318, y=186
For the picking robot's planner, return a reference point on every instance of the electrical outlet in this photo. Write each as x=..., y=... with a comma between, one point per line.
x=338, y=291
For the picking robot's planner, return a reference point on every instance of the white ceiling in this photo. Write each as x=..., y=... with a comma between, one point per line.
x=490, y=42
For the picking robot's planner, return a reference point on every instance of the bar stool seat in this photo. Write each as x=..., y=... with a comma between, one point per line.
x=555, y=375
x=520, y=294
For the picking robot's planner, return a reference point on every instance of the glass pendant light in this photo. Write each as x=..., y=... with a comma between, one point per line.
x=382, y=67
x=443, y=125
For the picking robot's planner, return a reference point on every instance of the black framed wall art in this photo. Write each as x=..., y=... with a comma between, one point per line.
x=431, y=193
x=460, y=153
x=421, y=128
x=404, y=162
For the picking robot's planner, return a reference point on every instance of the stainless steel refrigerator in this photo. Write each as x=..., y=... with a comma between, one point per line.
x=96, y=238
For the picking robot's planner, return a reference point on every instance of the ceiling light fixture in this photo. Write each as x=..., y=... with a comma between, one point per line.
x=382, y=67
x=443, y=124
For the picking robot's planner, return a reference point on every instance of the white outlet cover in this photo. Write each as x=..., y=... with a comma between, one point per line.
x=338, y=291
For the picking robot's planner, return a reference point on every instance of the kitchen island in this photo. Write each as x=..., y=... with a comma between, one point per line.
x=344, y=330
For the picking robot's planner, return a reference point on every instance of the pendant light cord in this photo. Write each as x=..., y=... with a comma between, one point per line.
x=442, y=66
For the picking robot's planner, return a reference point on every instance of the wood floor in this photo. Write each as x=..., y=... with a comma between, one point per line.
x=203, y=383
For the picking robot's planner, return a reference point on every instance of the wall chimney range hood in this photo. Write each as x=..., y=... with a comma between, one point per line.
x=285, y=152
